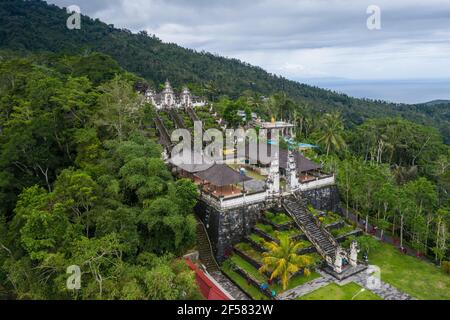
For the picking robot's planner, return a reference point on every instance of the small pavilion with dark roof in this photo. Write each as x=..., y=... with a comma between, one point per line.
x=188, y=170
x=221, y=180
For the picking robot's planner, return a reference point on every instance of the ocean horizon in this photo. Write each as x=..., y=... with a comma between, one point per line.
x=413, y=91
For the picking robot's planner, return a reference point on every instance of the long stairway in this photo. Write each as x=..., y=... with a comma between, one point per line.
x=324, y=242
x=163, y=133
x=177, y=119
x=205, y=250
x=192, y=115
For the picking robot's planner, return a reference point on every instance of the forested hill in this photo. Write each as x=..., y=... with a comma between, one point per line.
x=30, y=26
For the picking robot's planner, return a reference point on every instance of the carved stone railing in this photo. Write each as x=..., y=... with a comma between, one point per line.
x=300, y=218
x=234, y=201
x=318, y=183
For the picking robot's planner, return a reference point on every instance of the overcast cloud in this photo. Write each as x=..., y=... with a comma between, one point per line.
x=298, y=38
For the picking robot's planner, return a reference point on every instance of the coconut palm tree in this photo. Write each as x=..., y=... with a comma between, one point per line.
x=332, y=129
x=283, y=261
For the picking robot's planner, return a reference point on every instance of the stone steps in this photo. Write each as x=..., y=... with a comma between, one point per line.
x=322, y=240
x=164, y=134
x=192, y=115
x=177, y=119
x=204, y=249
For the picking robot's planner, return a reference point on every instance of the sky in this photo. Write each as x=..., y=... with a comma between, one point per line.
x=321, y=42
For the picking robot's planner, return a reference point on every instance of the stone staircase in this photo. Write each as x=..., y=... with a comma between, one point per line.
x=192, y=115
x=164, y=135
x=177, y=119
x=204, y=248
x=324, y=242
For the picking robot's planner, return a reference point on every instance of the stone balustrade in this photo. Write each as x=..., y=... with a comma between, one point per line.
x=318, y=183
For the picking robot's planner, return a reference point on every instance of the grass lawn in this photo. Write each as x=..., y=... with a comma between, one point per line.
x=420, y=279
x=335, y=292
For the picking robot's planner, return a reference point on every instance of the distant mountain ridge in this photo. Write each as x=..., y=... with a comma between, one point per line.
x=437, y=102
x=35, y=26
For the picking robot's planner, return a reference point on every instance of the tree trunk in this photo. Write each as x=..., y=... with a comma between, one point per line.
x=401, y=231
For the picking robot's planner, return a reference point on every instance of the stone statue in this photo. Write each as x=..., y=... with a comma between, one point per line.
x=291, y=173
x=340, y=256
x=165, y=156
x=354, y=250
x=273, y=181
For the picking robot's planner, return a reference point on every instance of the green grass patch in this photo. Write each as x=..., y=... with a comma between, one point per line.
x=279, y=219
x=249, y=289
x=419, y=279
x=258, y=239
x=249, y=251
x=247, y=267
x=342, y=231
x=275, y=233
x=333, y=291
x=327, y=219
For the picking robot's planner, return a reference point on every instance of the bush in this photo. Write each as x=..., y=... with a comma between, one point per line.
x=446, y=266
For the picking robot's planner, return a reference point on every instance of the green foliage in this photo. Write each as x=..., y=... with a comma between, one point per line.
x=366, y=244
x=446, y=266
x=83, y=185
x=282, y=260
x=398, y=142
x=34, y=26
x=332, y=129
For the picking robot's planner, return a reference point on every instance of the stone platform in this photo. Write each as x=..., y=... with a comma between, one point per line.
x=347, y=273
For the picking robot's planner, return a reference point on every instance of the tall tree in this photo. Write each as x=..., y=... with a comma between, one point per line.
x=332, y=132
x=283, y=261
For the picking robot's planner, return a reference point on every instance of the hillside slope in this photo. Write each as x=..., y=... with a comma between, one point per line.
x=30, y=26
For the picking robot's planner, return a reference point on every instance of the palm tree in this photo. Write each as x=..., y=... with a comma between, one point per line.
x=283, y=261
x=332, y=129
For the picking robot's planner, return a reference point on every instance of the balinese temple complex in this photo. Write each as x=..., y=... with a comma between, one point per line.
x=235, y=189
x=167, y=99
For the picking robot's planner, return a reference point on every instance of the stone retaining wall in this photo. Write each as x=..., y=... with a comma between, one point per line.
x=324, y=199
x=228, y=227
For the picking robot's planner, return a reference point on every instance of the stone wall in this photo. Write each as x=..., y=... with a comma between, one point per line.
x=228, y=227
x=325, y=199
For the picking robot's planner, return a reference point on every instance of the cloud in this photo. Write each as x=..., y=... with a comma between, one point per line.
x=298, y=38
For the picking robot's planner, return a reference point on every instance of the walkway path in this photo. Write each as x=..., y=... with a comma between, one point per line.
x=306, y=288
x=385, y=291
